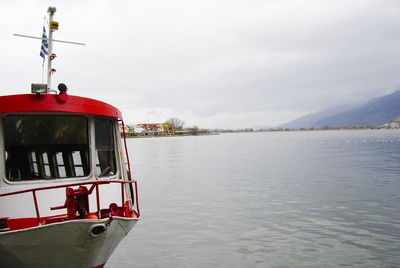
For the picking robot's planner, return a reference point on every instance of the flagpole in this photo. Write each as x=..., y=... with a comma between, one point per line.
x=51, y=12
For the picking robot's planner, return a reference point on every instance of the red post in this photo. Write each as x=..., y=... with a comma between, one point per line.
x=123, y=193
x=137, y=199
x=36, y=206
x=98, y=201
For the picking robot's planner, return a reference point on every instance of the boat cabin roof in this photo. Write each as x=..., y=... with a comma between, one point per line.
x=56, y=103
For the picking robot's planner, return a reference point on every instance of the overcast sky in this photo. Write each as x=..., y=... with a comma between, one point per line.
x=211, y=63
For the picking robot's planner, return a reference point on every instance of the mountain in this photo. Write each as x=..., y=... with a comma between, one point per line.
x=309, y=120
x=375, y=112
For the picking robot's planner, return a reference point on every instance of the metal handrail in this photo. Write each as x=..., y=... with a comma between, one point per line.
x=129, y=168
x=95, y=184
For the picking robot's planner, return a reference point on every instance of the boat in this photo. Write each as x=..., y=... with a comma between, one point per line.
x=67, y=196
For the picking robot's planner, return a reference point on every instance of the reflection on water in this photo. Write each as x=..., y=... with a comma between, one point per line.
x=287, y=199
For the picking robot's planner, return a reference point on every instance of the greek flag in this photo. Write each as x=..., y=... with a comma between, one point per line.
x=45, y=45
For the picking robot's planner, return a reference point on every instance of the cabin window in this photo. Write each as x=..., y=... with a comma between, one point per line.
x=60, y=164
x=46, y=147
x=105, y=148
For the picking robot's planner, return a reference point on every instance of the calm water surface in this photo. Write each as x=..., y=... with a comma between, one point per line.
x=284, y=199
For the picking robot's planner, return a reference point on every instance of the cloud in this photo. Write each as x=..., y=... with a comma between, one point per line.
x=211, y=63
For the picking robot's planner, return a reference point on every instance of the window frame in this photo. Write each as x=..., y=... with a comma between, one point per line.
x=51, y=179
x=116, y=135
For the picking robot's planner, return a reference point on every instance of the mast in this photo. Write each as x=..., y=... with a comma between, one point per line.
x=53, y=26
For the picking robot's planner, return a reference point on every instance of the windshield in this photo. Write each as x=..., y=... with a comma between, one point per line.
x=45, y=147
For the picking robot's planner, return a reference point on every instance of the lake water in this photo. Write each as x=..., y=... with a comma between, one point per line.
x=275, y=199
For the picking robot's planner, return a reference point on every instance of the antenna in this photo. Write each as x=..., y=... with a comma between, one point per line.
x=53, y=26
x=54, y=40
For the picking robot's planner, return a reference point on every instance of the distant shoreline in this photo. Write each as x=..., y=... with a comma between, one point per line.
x=166, y=136
x=220, y=131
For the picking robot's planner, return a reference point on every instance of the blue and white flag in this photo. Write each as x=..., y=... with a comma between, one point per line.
x=45, y=45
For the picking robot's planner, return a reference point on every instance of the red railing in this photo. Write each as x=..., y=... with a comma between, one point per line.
x=127, y=159
x=95, y=185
